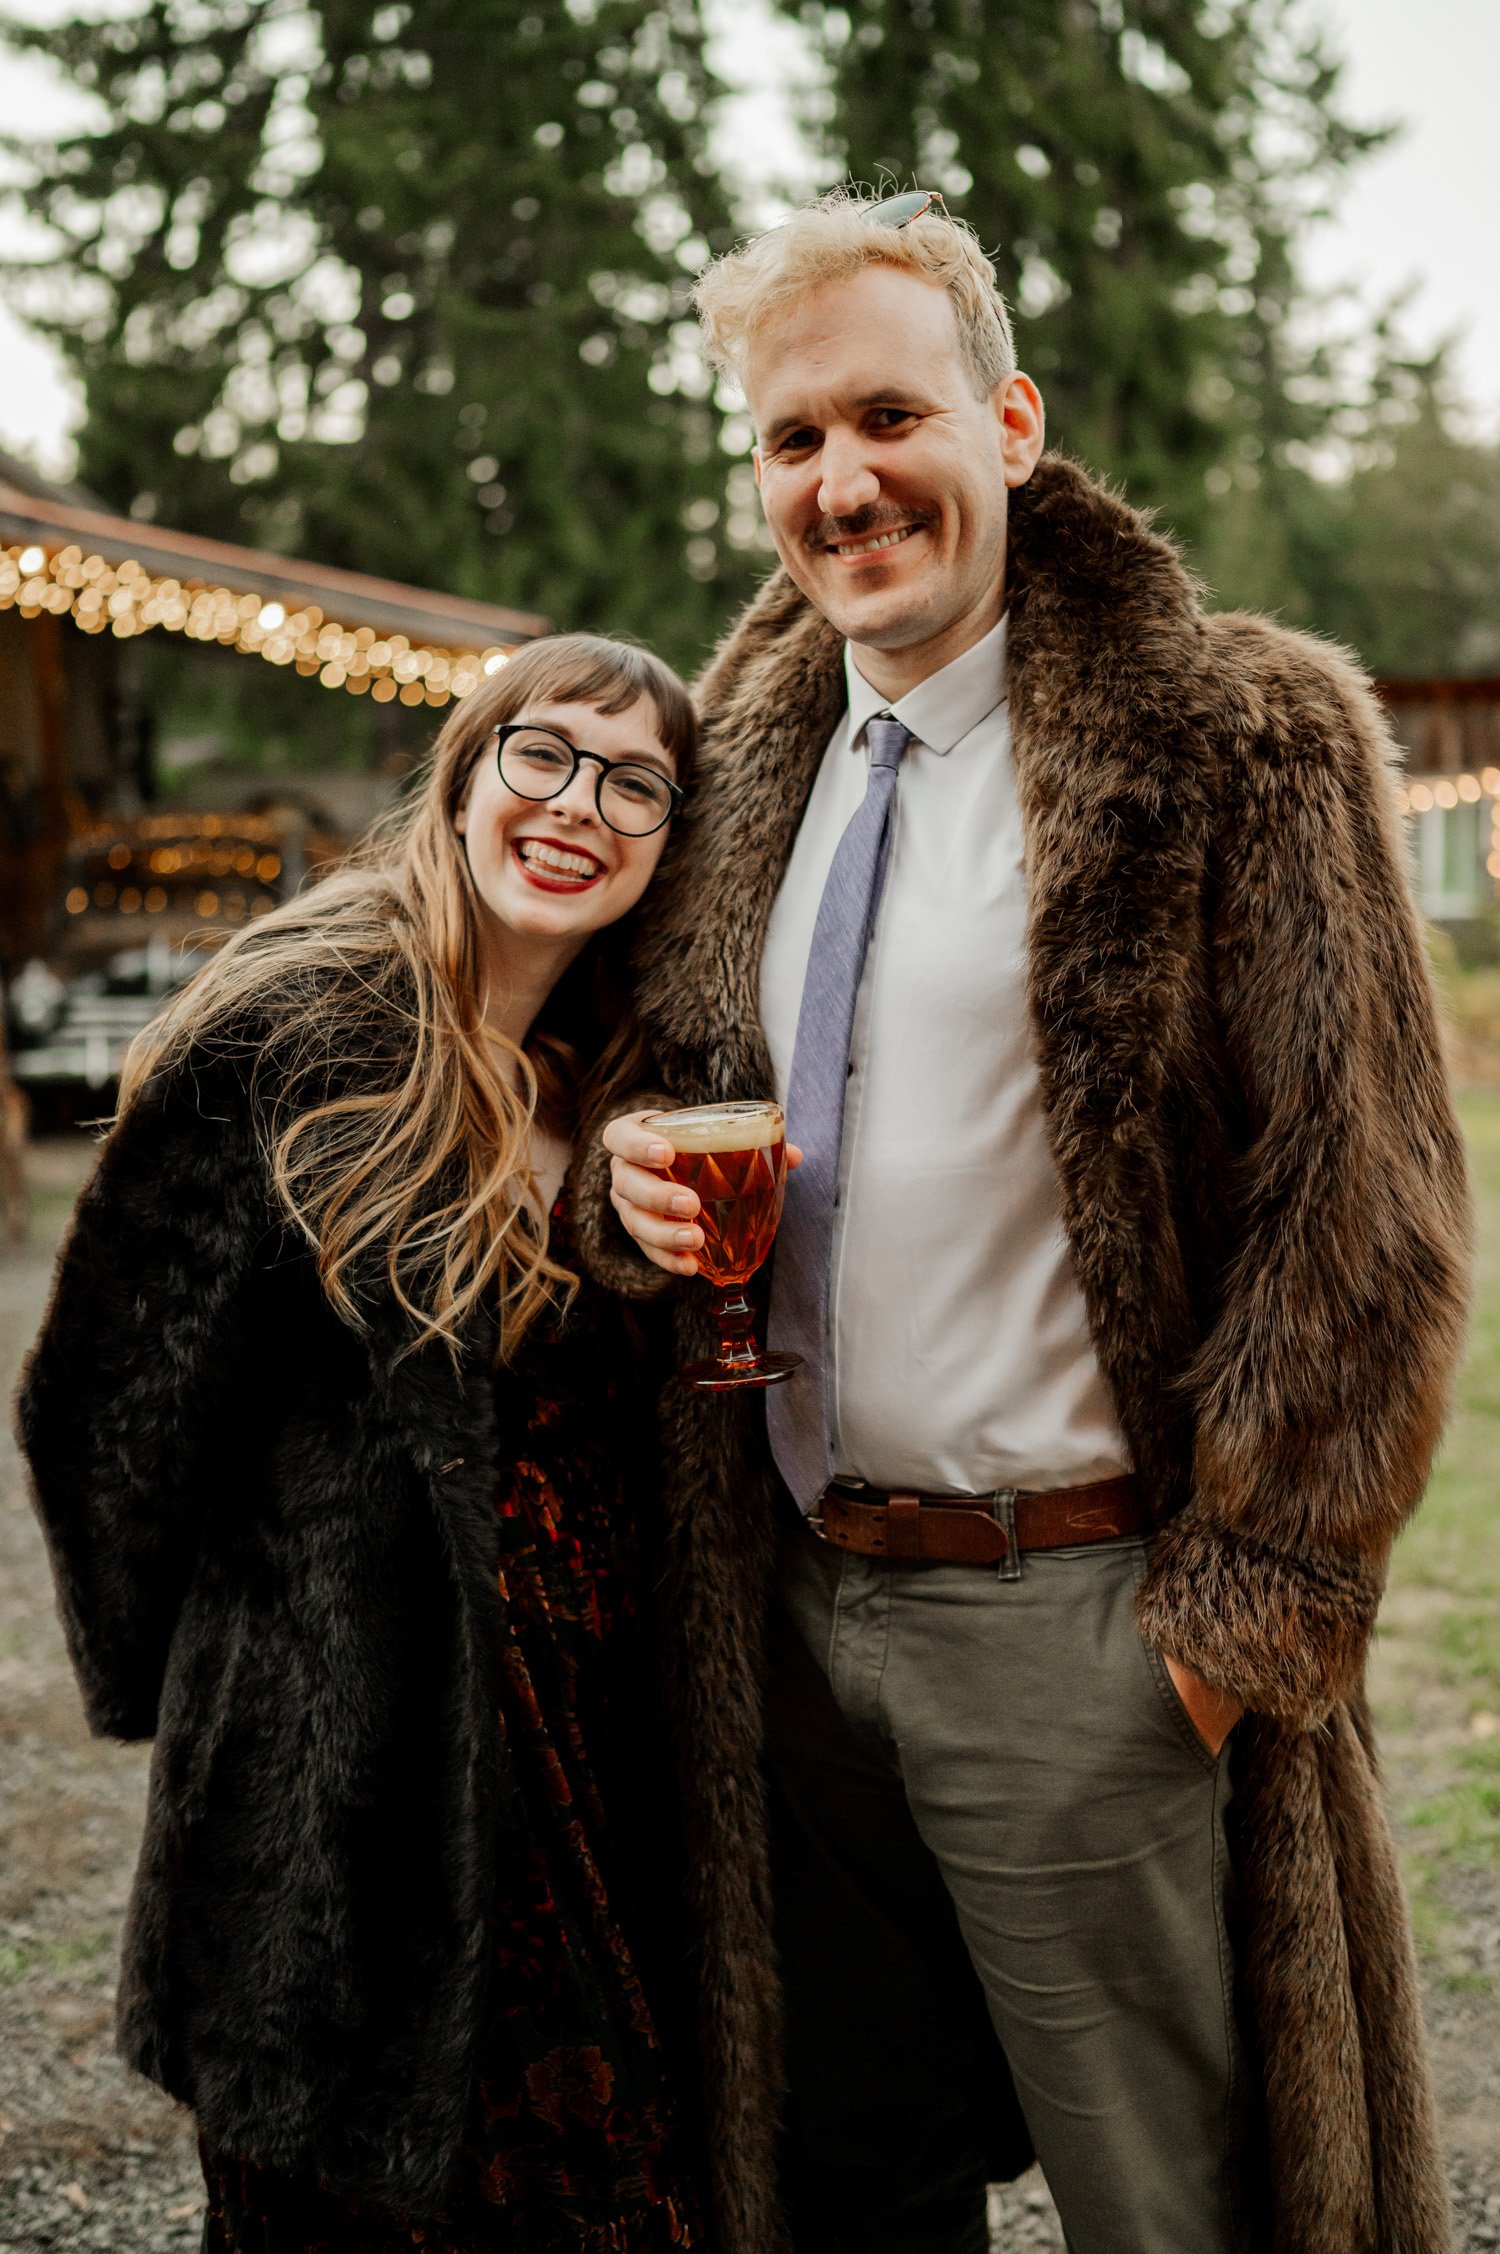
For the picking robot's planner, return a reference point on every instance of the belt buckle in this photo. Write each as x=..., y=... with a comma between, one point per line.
x=814, y=1517
x=1002, y=1504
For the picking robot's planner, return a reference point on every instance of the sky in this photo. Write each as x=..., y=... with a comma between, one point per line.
x=1425, y=213
x=1423, y=217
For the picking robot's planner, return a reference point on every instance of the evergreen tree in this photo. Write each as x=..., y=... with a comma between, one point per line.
x=1401, y=558
x=403, y=288
x=1139, y=168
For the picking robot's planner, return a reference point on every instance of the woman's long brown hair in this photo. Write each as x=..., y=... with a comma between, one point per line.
x=395, y=1125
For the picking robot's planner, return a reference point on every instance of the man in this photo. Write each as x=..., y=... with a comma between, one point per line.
x=1127, y=1269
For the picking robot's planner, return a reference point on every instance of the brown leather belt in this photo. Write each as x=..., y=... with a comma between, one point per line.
x=911, y=1529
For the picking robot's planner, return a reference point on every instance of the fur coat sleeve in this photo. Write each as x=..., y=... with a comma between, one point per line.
x=1319, y=1391
x=165, y=1235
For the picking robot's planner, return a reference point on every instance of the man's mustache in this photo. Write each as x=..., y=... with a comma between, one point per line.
x=828, y=532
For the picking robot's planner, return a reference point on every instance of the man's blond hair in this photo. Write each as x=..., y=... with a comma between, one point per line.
x=834, y=238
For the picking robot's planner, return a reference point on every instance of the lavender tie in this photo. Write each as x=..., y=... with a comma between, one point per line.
x=797, y=1412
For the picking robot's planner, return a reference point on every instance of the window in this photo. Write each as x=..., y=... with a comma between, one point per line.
x=1449, y=848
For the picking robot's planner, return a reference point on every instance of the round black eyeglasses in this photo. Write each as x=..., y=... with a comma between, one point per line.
x=633, y=800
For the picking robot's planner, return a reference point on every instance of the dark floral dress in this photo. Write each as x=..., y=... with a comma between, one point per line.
x=576, y=2145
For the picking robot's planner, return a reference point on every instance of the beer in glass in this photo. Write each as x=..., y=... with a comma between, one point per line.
x=734, y=1156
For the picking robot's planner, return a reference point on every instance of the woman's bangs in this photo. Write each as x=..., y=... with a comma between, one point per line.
x=588, y=669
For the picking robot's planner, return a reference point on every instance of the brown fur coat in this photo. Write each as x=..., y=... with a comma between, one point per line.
x=1264, y=1189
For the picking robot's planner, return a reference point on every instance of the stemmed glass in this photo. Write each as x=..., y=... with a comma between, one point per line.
x=734, y=1156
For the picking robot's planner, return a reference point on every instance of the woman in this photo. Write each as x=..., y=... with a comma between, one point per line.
x=335, y=1466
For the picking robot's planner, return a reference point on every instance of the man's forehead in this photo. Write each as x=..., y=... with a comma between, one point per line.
x=852, y=342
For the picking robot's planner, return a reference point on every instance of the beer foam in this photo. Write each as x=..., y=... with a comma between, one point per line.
x=720, y=1127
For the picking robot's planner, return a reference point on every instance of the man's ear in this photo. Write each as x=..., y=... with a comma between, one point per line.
x=755, y=458
x=1023, y=426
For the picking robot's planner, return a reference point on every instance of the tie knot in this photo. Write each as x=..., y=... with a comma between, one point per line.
x=887, y=738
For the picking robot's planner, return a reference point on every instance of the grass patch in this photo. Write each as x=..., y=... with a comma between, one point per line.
x=1467, y=1815
x=1443, y=1625
x=1469, y=1645
x=47, y=1212
x=18, y=1958
x=1453, y=1544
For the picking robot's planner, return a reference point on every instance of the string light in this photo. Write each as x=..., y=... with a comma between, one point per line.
x=1447, y=791
x=124, y=599
x=198, y=866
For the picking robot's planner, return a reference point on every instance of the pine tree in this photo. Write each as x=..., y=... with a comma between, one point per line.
x=1139, y=168
x=1401, y=558
x=402, y=288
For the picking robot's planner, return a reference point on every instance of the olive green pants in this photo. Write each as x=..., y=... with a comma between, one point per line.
x=993, y=1818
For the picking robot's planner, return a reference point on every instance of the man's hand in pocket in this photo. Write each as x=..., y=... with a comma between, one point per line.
x=1212, y=1713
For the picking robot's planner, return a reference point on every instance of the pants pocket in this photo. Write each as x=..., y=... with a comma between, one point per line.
x=1168, y=1697
x=1172, y=1699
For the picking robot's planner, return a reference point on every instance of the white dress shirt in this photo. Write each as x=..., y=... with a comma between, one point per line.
x=961, y=1355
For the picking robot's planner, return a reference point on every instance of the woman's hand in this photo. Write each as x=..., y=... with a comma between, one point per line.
x=1212, y=1713
x=656, y=1211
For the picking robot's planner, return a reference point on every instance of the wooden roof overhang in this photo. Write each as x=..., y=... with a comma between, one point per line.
x=353, y=631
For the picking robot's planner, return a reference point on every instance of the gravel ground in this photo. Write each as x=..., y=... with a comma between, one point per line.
x=91, y=2157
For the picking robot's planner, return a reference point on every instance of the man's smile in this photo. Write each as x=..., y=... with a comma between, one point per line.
x=847, y=549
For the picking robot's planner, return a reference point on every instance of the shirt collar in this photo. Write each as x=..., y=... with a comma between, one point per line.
x=944, y=708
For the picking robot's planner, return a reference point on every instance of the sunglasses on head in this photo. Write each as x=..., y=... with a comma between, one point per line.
x=900, y=211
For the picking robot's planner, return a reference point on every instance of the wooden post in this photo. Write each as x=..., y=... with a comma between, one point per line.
x=37, y=860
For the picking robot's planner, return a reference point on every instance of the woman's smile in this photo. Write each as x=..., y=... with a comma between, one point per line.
x=554, y=867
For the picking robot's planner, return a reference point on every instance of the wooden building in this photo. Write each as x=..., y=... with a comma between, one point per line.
x=1449, y=731
x=76, y=583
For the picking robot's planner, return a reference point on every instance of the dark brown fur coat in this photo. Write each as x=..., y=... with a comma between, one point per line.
x=277, y=1553
x=1264, y=1189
